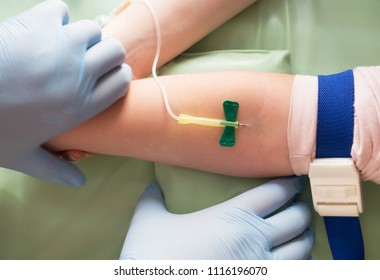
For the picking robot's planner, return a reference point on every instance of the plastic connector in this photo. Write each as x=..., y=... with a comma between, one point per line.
x=335, y=187
x=187, y=119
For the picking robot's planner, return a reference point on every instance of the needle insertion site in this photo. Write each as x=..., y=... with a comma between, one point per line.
x=230, y=107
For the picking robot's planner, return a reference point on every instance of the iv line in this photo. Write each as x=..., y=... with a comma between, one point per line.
x=182, y=118
x=155, y=61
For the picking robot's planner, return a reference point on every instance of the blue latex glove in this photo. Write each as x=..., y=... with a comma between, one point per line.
x=239, y=228
x=53, y=76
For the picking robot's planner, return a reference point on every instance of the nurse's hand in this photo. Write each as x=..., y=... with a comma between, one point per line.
x=53, y=76
x=245, y=227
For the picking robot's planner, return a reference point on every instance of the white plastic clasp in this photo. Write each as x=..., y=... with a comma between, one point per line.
x=335, y=187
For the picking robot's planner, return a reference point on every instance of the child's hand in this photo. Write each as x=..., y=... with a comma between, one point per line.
x=72, y=155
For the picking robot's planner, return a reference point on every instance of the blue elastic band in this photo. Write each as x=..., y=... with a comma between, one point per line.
x=335, y=126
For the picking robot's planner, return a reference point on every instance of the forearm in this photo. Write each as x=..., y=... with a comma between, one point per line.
x=139, y=126
x=182, y=23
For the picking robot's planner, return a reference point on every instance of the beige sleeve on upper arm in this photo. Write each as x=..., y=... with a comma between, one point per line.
x=302, y=123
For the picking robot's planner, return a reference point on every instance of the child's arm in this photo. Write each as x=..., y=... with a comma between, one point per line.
x=182, y=24
x=139, y=126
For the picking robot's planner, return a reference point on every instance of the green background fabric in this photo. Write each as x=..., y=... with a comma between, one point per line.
x=44, y=221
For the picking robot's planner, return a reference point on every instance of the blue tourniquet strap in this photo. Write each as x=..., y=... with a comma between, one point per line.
x=335, y=127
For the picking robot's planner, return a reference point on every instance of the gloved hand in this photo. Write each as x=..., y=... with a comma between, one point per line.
x=239, y=228
x=53, y=76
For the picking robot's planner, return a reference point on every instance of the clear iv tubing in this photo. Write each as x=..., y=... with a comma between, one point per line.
x=182, y=118
x=104, y=20
x=155, y=61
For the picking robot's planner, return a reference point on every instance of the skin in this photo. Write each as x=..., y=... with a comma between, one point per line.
x=139, y=126
x=182, y=24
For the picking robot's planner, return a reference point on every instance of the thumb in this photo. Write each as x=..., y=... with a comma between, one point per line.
x=151, y=202
x=268, y=197
x=45, y=166
x=148, y=226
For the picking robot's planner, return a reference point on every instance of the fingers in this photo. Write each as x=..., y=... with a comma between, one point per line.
x=45, y=166
x=105, y=63
x=288, y=223
x=71, y=155
x=84, y=33
x=55, y=9
x=268, y=197
x=148, y=221
x=104, y=56
x=297, y=249
x=110, y=88
x=151, y=203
